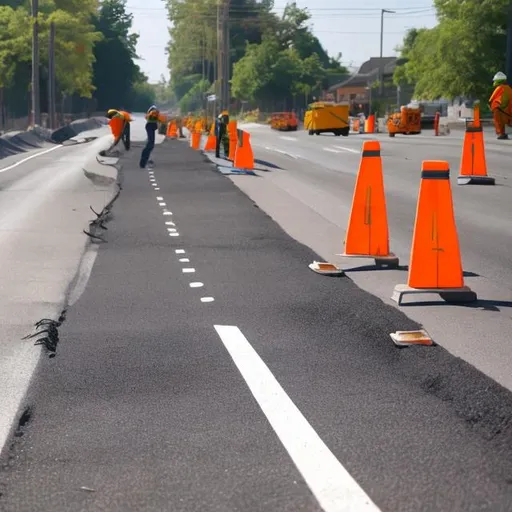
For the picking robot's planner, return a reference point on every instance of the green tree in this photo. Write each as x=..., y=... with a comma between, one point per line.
x=115, y=72
x=460, y=55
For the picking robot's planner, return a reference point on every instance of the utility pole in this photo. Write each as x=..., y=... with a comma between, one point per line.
x=509, y=44
x=381, y=67
x=35, y=114
x=227, y=60
x=51, y=77
x=219, y=68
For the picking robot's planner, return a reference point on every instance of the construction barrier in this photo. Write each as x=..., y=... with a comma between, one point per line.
x=369, y=124
x=435, y=264
x=244, y=156
x=233, y=139
x=211, y=140
x=473, y=165
x=195, y=140
x=367, y=232
x=172, y=130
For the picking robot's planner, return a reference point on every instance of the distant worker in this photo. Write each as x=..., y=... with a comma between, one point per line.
x=221, y=133
x=152, y=119
x=500, y=103
x=120, y=125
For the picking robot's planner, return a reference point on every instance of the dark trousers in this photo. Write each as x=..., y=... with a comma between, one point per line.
x=221, y=132
x=150, y=144
x=126, y=136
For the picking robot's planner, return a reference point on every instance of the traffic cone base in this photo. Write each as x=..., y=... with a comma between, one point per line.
x=435, y=265
x=326, y=269
x=462, y=295
x=390, y=260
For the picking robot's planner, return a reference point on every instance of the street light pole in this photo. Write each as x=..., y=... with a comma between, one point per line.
x=381, y=70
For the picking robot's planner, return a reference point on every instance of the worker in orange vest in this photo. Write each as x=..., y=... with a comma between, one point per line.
x=500, y=103
x=120, y=125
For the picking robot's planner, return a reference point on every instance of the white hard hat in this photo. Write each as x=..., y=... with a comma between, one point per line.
x=499, y=76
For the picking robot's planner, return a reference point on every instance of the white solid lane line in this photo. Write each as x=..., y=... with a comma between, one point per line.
x=207, y=299
x=20, y=162
x=284, y=137
x=329, y=481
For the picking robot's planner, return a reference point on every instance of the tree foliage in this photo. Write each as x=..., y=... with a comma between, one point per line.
x=95, y=53
x=271, y=58
x=461, y=54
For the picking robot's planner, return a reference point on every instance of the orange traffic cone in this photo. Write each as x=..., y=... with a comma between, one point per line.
x=473, y=166
x=172, y=130
x=233, y=139
x=367, y=232
x=195, y=140
x=435, y=265
x=211, y=143
x=244, y=157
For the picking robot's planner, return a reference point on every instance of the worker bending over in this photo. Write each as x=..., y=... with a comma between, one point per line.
x=500, y=103
x=120, y=125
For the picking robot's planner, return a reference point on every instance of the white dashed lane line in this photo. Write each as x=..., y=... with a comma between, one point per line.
x=174, y=233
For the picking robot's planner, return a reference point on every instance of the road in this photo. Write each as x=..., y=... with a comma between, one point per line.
x=205, y=367
x=44, y=205
x=308, y=191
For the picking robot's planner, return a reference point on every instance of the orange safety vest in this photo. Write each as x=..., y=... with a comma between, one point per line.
x=117, y=126
x=501, y=99
x=126, y=115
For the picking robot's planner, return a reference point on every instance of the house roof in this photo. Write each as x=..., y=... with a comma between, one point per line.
x=368, y=71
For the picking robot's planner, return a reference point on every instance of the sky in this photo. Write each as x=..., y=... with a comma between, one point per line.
x=341, y=28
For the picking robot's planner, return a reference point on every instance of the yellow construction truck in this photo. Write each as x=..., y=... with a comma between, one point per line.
x=327, y=117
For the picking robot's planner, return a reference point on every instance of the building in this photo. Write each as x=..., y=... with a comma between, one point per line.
x=360, y=90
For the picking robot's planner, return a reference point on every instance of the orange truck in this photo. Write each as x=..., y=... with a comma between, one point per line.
x=406, y=122
x=284, y=121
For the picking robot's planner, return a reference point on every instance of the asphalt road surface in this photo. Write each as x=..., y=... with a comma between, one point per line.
x=205, y=367
x=308, y=190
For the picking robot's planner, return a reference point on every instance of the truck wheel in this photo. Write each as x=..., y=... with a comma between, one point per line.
x=345, y=131
x=317, y=133
x=311, y=132
x=337, y=133
x=391, y=134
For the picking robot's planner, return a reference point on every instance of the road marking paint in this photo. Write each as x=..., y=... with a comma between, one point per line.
x=162, y=204
x=157, y=188
x=159, y=198
x=170, y=223
x=329, y=481
x=22, y=161
x=171, y=231
x=174, y=234
x=188, y=270
x=285, y=153
x=154, y=185
x=350, y=150
x=184, y=260
x=179, y=251
x=332, y=150
x=167, y=213
x=196, y=284
x=284, y=137
x=207, y=299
